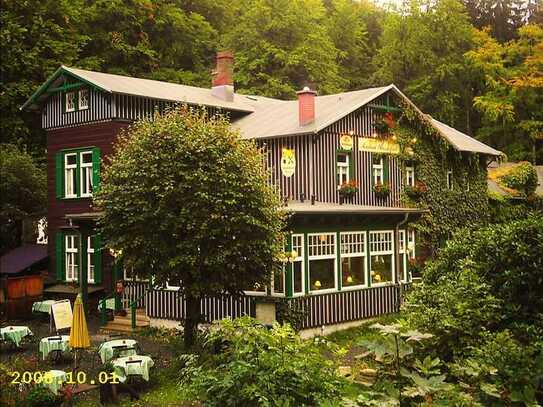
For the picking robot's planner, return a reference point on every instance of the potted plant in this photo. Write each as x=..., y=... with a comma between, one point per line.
x=348, y=189
x=417, y=190
x=381, y=127
x=381, y=189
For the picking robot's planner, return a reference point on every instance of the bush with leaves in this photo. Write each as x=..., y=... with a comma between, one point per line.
x=248, y=365
x=522, y=177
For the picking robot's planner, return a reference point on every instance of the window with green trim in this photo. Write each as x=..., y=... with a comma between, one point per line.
x=75, y=100
x=353, y=259
x=343, y=168
x=70, y=260
x=378, y=171
x=77, y=172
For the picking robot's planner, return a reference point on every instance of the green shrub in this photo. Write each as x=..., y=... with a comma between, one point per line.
x=522, y=177
x=41, y=396
x=251, y=365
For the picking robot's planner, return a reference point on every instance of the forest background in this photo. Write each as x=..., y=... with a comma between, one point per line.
x=477, y=65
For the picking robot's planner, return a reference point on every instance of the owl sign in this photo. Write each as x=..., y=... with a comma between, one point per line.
x=288, y=162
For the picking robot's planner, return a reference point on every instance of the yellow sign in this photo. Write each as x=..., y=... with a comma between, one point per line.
x=346, y=142
x=375, y=145
x=62, y=313
x=288, y=162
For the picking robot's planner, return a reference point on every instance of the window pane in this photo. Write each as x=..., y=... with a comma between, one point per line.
x=381, y=268
x=86, y=158
x=321, y=273
x=71, y=159
x=298, y=276
x=353, y=271
x=278, y=279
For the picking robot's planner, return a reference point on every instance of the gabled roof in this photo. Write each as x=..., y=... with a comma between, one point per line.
x=148, y=88
x=273, y=118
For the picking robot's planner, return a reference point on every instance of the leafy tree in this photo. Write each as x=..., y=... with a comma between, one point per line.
x=422, y=52
x=513, y=91
x=23, y=192
x=282, y=46
x=36, y=37
x=186, y=201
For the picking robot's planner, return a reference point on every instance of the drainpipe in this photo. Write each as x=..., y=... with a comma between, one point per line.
x=397, y=253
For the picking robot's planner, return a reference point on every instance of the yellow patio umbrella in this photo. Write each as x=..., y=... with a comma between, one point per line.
x=79, y=333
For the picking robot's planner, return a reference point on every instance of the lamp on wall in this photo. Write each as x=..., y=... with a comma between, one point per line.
x=317, y=284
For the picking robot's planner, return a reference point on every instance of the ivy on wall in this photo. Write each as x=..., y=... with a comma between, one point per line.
x=449, y=209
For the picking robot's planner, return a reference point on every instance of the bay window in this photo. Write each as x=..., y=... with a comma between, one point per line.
x=381, y=256
x=322, y=261
x=353, y=258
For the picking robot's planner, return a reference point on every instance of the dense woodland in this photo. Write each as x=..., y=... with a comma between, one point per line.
x=474, y=64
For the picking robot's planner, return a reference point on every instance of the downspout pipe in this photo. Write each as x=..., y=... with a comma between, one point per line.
x=397, y=255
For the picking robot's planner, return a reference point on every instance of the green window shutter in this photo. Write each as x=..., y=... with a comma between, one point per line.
x=95, y=168
x=59, y=174
x=97, y=245
x=59, y=253
x=385, y=170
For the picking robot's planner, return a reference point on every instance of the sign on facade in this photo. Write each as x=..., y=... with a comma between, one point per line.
x=288, y=162
x=374, y=145
x=346, y=142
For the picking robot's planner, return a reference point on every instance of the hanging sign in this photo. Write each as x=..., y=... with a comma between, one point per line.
x=62, y=314
x=288, y=162
x=346, y=142
x=375, y=145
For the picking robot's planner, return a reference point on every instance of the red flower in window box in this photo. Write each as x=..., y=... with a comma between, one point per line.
x=417, y=190
x=348, y=189
x=381, y=189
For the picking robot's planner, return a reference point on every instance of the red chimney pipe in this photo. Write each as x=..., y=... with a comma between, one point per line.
x=223, y=73
x=306, y=106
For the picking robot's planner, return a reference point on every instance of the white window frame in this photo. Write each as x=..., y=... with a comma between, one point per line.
x=342, y=169
x=70, y=99
x=410, y=175
x=80, y=99
x=85, y=170
x=411, y=243
x=377, y=169
x=325, y=256
x=403, y=251
x=390, y=251
x=69, y=171
x=300, y=258
x=362, y=254
x=90, y=264
x=272, y=284
x=450, y=183
x=71, y=251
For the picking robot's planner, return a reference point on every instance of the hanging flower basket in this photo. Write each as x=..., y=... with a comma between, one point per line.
x=348, y=189
x=381, y=127
x=382, y=190
x=417, y=190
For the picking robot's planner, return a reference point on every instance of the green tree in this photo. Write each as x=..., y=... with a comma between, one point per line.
x=186, y=201
x=513, y=91
x=422, y=51
x=36, y=37
x=23, y=193
x=281, y=46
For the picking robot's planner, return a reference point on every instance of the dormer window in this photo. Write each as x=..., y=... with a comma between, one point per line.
x=83, y=99
x=70, y=101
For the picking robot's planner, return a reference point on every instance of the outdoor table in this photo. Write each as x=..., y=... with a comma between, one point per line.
x=125, y=347
x=14, y=334
x=136, y=365
x=56, y=377
x=54, y=343
x=42, y=306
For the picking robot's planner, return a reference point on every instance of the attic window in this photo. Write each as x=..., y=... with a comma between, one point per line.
x=83, y=99
x=70, y=101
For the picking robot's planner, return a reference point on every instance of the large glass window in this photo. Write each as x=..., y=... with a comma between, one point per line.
x=377, y=171
x=72, y=257
x=90, y=259
x=298, y=264
x=70, y=175
x=86, y=173
x=353, y=258
x=381, y=256
x=322, y=261
x=342, y=168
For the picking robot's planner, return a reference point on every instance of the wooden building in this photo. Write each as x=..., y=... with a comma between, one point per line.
x=350, y=243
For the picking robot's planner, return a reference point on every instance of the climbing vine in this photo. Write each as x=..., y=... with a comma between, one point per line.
x=466, y=203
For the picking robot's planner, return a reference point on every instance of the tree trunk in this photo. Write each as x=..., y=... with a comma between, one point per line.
x=191, y=320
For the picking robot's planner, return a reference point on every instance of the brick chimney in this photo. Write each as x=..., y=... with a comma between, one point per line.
x=222, y=85
x=306, y=106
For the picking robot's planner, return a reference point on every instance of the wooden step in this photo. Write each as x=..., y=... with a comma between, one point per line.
x=128, y=321
x=112, y=327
